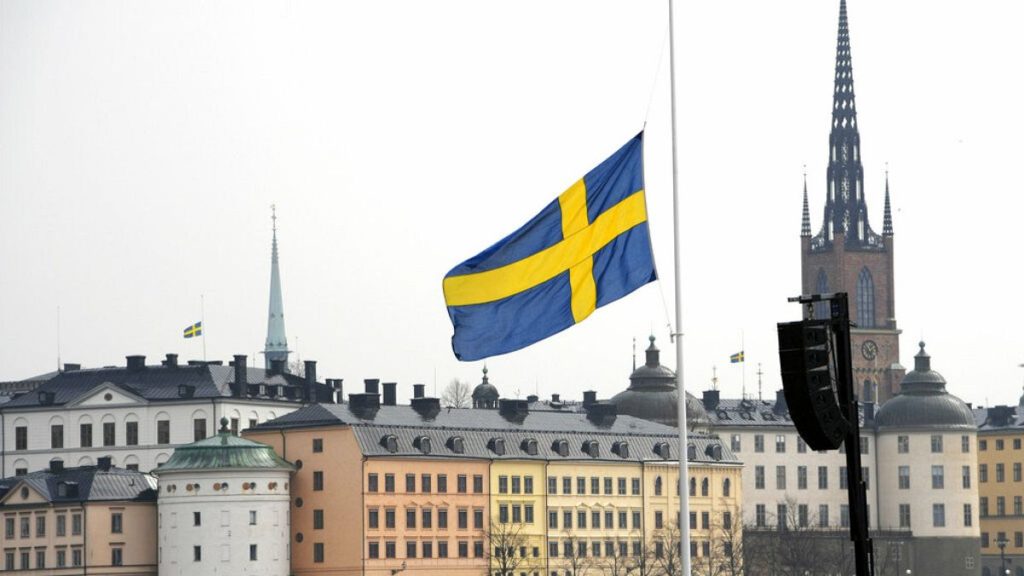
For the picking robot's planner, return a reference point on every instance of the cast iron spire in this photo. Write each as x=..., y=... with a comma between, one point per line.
x=845, y=209
x=805, y=224
x=277, y=343
x=887, y=218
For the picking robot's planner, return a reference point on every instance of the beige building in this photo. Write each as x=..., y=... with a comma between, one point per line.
x=1001, y=488
x=95, y=519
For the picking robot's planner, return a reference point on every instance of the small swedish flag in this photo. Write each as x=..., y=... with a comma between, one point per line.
x=736, y=358
x=194, y=330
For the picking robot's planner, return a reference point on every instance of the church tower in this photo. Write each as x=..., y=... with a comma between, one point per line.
x=277, y=343
x=846, y=255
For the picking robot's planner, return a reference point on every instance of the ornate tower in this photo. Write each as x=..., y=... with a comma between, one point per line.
x=846, y=255
x=276, y=347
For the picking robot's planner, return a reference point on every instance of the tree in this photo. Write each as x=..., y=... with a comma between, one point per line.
x=666, y=557
x=505, y=541
x=457, y=394
x=619, y=562
x=725, y=549
x=574, y=556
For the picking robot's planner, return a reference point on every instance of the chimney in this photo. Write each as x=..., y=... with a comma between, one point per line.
x=513, y=410
x=103, y=463
x=589, y=397
x=240, y=387
x=602, y=413
x=556, y=398
x=338, y=396
x=171, y=361
x=371, y=386
x=428, y=408
x=364, y=406
x=72, y=367
x=532, y=398
x=310, y=380
x=711, y=399
x=417, y=390
x=390, y=393
x=278, y=366
x=780, y=403
x=56, y=466
x=136, y=362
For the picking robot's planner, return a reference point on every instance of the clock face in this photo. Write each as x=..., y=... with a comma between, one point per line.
x=869, y=350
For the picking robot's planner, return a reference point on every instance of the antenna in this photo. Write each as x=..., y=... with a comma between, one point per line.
x=634, y=354
x=714, y=377
x=759, y=373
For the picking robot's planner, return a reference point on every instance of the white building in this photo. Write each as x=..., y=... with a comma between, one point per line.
x=223, y=509
x=138, y=414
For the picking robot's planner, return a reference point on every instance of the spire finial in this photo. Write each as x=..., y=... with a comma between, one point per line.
x=276, y=347
x=805, y=223
x=887, y=217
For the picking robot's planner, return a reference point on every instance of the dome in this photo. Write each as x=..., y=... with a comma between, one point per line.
x=485, y=395
x=225, y=450
x=924, y=402
x=652, y=395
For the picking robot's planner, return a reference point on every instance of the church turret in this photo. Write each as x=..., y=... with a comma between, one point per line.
x=277, y=343
x=805, y=223
x=887, y=218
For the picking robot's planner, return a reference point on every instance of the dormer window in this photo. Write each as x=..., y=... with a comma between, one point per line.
x=389, y=442
x=529, y=446
x=691, y=452
x=663, y=450
x=621, y=448
x=591, y=448
x=714, y=451
x=560, y=447
x=456, y=444
x=497, y=445
x=422, y=443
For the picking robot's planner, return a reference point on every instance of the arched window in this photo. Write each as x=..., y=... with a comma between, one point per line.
x=657, y=486
x=693, y=486
x=704, y=487
x=821, y=308
x=869, y=391
x=726, y=487
x=865, y=299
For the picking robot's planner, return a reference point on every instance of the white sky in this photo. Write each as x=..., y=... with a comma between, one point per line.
x=141, y=144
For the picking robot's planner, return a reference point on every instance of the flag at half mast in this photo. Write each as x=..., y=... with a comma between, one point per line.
x=589, y=247
x=194, y=330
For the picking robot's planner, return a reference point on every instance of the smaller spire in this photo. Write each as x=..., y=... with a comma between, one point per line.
x=653, y=359
x=887, y=218
x=922, y=361
x=805, y=224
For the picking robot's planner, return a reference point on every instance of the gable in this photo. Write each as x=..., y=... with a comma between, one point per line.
x=23, y=493
x=107, y=394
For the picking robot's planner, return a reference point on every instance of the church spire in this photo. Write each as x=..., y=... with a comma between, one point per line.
x=277, y=343
x=805, y=224
x=845, y=208
x=887, y=218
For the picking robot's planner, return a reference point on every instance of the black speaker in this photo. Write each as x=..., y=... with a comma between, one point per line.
x=808, y=380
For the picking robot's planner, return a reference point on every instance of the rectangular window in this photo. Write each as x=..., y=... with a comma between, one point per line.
x=802, y=515
x=410, y=517
x=1016, y=443
x=9, y=528
x=982, y=473
x=197, y=518
x=552, y=549
x=983, y=506
x=460, y=484
x=427, y=518
x=318, y=519
x=57, y=436
x=844, y=515
x=938, y=515
x=85, y=435
x=780, y=443
x=965, y=444
x=1000, y=506
x=442, y=548
x=636, y=520
x=801, y=477
x=26, y=528
x=116, y=523
x=252, y=552
x=252, y=422
x=425, y=483
x=198, y=429
x=373, y=518
x=823, y=516
x=371, y=483
x=428, y=549
x=389, y=483
x=21, y=438
x=116, y=557
x=318, y=445
x=76, y=556
x=410, y=548
x=1018, y=509
x=197, y=553
x=782, y=516
x=622, y=486
x=581, y=519
x=938, y=478
x=567, y=519
x=502, y=484
x=759, y=477
x=478, y=484
x=478, y=549
x=1018, y=539
x=517, y=514
x=252, y=517
x=966, y=476
x=936, y=444
x=109, y=434
x=40, y=526
x=595, y=485
x=735, y=443
x=780, y=477
x=581, y=485
x=904, y=478
x=552, y=485
x=903, y=444
x=982, y=445
x=1000, y=472
x=566, y=485
x=163, y=431
x=904, y=515
x=318, y=480
x=76, y=524
x=410, y=483
x=463, y=518
x=623, y=520
x=442, y=518
x=552, y=520
x=1016, y=472
x=528, y=513
x=9, y=560
x=24, y=560
x=442, y=483
x=607, y=486
x=758, y=442
x=389, y=517
x=528, y=485
x=659, y=520
x=478, y=518
x=131, y=433
x=843, y=479
x=62, y=525
x=968, y=516
x=374, y=550
x=760, y=516
x=823, y=477
x=318, y=552
x=801, y=446
x=635, y=485
x=595, y=520
x=62, y=558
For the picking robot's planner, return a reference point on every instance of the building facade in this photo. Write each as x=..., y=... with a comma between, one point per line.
x=89, y=519
x=1001, y=488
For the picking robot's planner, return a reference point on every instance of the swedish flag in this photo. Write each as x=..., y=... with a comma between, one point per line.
x=194, y=330
x=736, y=358
x=586, y=249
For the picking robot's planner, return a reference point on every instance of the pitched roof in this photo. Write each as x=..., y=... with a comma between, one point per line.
x=225, y=450
x=93, y=484
x=479, y=427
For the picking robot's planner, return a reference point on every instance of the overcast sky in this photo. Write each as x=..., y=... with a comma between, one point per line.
x=142, y=144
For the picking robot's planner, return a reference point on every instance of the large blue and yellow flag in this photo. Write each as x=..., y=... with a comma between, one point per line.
x=586, y=249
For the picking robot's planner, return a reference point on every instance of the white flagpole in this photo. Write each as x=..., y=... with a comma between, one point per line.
x=684, y=468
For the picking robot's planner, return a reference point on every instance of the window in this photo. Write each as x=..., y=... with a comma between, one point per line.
x=822, y=515
x=503, y=484
x=503, y=513
x=163, y=431
x=607, y=485
x=758, y=443
x=527, y=485
x=62, y=558
x=76, y=525
x=197, y=518
x=1016, y=443
x=552, y=520
x=843, y=479
x=801, y=446
x=426, y=483
x=965, y=444
x=781, y=516
x=198, y=429
x=1016, y=471
x=76, y=556
x=40, y=526
x=983, y=506
x=780, y=477
x=478, y=484
x=801, y=477
x=1000, y=472
x=635, y=486
x=823, y=477
x=844, y=515
x=659, y=520
x=428, y=549
x=966, y=475
x=442, y=483
x=595, y=520
x=478, y=549
x=623, y=520
x=117, y=557
x=982, y=473
x=24, y=560
x=410, y=517
x=759, y=477
x=318, y=519
x=25, y=527
x=726, y=487
x=566, y=485
x=968, y=517
x=622, y=486
x=21, y=438
x=410, y=548
x=318, y=444
x=936, y=444
x=373, y=550
x=463, y=519
x=657, y=486
x=109, y=434
x=865, y=299
x=760, y=516
x=802, y=514
x=389, y=483
x=982, y=445
x=595, y=485
x=938, y=480
x=9, y=560
x=318, y=480
x=636, y=520
x=252, y=517
x=1000, y=506
x=478, y=518
x=581, y=485
x=371, y=483
x=460, y=483
x=131, y=433
x=904, y=515
x=1018, y=508
x=567, y=519
x=85, y=435
x=442, y=548
x=373, y=518
x=903, y=444
x=318, y=551
x=527, y=512
x=57, y=436
x=427, y=518
x=442, y=518
x=9, y=528
x=410, y=483
x=552, y=485
x=62, y=526
x=735, y=443
x=904, y=477
x=938, y=515
x=197, y=553
x=389, y=517
x=780, y=443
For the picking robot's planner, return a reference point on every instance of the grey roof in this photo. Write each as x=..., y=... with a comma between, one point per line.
x=923, y=402
x=999, y=419
x=652, y=394
x=735, y=412
x=93, y=484
x=157, y=383
x=477, y=428
x=225, y=450
x=485, y=390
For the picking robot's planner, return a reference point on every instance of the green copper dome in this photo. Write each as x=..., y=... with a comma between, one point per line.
x=223, y=451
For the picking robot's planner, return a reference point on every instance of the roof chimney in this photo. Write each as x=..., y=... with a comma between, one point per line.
x=277, y=366
x=103, y=463
x=72, y=367
x=364, y=406
x=338, y=397
x=556, y=398
x=532, y=398
x=390, y=393
x=780, y=403
x=311, y=381
x=171, y=361
x=371, y=386
x=136, y=362
x=711, y=399
x=428, y=408
x=589, y=397
x=240, y=387
x=513, y=410
x=418, y=390
x=602, y=413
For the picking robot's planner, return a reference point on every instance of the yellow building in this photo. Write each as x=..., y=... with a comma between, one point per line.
x=524, y=489
x=89, y=519
x=1001, y=488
